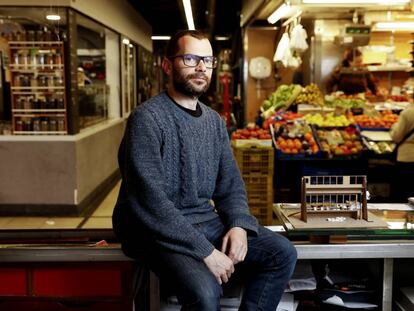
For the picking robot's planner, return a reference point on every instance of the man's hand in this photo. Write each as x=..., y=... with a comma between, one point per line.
x=220, y=265
x=235, y=244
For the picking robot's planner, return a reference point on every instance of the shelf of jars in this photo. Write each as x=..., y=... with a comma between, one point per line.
x=38, y=88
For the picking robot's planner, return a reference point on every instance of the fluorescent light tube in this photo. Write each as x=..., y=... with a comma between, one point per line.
x=53, y=17
x=160, y=37
x=188, y=14
x=394, y=26
x=221, y=38
x=284, y=11
x=378, y=2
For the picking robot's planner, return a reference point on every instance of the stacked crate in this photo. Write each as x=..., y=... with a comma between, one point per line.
x=256, y=167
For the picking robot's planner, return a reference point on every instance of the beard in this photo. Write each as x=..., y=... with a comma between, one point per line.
x=184, y=85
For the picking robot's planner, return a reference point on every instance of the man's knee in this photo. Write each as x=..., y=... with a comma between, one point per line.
x=202, y=296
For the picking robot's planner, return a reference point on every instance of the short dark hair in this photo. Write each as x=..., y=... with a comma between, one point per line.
x=172, y=46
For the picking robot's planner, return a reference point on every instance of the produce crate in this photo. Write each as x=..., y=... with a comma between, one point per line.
x=248, y=143
x=255, y=160
x=259, y=190
x=263, y=213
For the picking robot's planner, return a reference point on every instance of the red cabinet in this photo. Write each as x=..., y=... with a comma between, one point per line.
x=103, y=286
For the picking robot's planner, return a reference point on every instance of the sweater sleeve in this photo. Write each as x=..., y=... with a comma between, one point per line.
x=145, y=184
x=400, y=128
x=230, y=198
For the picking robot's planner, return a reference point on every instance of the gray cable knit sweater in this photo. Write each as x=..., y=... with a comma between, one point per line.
x=172, y=165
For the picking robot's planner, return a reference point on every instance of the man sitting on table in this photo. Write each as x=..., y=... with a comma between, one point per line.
x=175, y=160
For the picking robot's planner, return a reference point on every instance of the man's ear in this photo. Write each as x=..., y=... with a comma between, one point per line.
x=166, y=66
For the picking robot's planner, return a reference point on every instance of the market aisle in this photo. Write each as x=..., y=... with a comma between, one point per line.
x=102, y=216
x=100, y=219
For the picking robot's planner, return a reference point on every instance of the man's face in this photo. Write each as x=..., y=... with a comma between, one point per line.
x=191, y=81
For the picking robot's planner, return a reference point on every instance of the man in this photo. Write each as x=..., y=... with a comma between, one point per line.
x=176, y=160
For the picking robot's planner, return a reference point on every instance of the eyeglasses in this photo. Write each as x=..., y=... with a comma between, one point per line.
x=191, y=60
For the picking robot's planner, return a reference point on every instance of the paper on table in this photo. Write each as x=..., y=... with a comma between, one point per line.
x=337, y=301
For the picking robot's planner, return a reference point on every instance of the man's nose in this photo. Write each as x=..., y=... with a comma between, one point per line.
x=201, y=66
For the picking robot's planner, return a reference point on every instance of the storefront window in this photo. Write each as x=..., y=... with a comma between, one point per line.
x=32, y=78
x=148, y=75
x=129, y=90
x=98, y=92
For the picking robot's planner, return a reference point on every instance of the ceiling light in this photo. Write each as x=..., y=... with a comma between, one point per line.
x=160, y=37
x=284, y=11
x=53, y=17
x=409, y=26
x=221, y=38
x=375, y=2
x=188, y=14
x=125, y=41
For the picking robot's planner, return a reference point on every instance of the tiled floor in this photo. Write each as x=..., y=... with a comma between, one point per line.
x=100, y=219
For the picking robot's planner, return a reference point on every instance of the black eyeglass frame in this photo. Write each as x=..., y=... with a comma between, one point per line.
x=198, y=58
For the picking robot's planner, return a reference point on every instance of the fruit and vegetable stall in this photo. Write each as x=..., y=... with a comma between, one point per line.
x=315, y=134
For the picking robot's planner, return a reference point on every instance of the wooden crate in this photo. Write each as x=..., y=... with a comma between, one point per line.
x=263, y=212
x=255, y=160
x=259, y=188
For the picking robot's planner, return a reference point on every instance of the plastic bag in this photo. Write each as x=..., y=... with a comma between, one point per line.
x=298, y=38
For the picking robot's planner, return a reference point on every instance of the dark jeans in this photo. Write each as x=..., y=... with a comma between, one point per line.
x=267, y=268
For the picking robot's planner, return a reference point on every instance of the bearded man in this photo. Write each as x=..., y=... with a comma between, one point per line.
x=182, y=208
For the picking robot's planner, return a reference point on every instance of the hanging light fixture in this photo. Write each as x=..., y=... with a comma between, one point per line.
x=53, y=17
x=284, y=11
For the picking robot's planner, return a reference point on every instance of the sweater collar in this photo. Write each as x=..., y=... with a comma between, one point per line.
x=195, y=113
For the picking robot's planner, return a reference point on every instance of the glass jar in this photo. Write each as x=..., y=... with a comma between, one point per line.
x=36, y=104
x=52, y=126
x=41, y=60
x=49, y=60
x=51, y=82
x=42, y=81
x=17, y=81
x=58, y=59
x=26, y=104
x=27, y=125
x=33, y=81
x=19, y=125
x=60, y=103
x=61, y=125
x=48, y=35
x=36, y=125
x=18, y=104
x=16, y=58
x=39, y=35
x=44, y=125
x=59, y=81
x=23, y=58
x=33, y=58
x=30, y=35
x=25, y=81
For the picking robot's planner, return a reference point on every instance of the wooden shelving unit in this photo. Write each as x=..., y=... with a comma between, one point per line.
x=38, y=91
